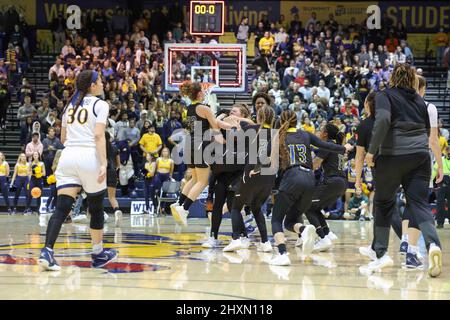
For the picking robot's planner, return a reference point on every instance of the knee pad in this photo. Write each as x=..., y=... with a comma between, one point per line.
x=95, y=207
x=64, y=204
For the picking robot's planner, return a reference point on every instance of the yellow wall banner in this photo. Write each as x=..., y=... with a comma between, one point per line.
x=343, y=12
x=26, y=7
x=418, y=42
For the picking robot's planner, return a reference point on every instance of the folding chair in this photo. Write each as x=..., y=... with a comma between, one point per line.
x=168, y=193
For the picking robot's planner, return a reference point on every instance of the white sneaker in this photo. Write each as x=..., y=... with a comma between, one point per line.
x=299, y=242
x=264, y=247
x=280, y=260
x=180, y=215
x=368, y=252
x=211, y=243
x=280, y=272
x=80, y=218
x=322, y=244
x=379, y=264
x=118, y=218
x=308, y=236
x=434, y=261
x=234, y=245
x=333, y=237
x=245, y=242
x=233, y=257
x=105, y=217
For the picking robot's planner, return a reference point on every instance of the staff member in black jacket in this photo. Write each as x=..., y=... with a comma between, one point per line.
x=400, y=135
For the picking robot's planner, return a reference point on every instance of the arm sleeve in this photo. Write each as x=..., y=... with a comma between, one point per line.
x=102, y=111
x=433, y=115
x=382, y=121
x=326, y=146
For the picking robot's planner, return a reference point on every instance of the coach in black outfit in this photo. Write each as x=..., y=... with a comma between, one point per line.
x=400, y=135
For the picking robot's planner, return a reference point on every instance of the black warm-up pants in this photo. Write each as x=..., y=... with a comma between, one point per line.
x=413, y=172
x=222, y=189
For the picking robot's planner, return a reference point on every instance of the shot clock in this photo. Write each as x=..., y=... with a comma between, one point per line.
x=207, y=18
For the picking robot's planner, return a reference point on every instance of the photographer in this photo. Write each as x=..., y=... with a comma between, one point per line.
x=443, y=193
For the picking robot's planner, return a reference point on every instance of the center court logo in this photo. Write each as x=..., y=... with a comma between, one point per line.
x=74, y=250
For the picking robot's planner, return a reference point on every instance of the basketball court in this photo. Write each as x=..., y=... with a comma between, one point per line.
x=159, y=260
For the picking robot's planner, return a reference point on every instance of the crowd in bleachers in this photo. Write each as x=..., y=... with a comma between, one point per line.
x=322, y=70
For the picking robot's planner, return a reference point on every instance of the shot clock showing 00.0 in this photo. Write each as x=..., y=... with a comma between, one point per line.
x=207, y=18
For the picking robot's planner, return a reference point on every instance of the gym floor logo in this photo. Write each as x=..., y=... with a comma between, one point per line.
x=73, y=247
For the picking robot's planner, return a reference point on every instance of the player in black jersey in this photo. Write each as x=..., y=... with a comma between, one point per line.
x=331, y=187
x=296, y=185
x=255, y=184
x=200, y=119
x=224, y=176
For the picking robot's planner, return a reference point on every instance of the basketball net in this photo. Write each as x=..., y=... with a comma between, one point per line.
x=207, y=88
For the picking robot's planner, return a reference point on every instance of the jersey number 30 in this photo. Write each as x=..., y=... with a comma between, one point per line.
x=81, y=117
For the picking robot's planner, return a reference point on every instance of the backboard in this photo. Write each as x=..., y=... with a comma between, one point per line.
x=221, y=64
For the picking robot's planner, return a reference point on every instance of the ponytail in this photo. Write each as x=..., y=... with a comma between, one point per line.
x=288, y=119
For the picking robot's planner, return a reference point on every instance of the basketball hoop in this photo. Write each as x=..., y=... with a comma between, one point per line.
x=207, y=88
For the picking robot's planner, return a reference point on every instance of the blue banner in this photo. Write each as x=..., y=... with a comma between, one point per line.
x=47, y=10
x=418, y=16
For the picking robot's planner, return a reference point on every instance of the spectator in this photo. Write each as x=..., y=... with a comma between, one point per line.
x=59, y=36
x=34, y=146
x=49, y=121
x=391, y=42
x=132, y=136
x=322, y=91
x=170, y=126
x=43, y=110
x=57, y=69
x=26, y=110
x=151, y=142
x=243, y=31
x=51, y=144
x=357, y=207
x=26, y=90
x=267, y=44
x=441, y=40
x=444, y=132
x=5, y=100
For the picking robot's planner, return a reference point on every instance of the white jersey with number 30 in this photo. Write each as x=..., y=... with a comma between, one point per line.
x=80, y=126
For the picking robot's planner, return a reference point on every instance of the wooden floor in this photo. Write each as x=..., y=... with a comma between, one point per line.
x=159, y=260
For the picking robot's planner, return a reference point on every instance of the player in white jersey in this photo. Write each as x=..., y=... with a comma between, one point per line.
x=82, y=165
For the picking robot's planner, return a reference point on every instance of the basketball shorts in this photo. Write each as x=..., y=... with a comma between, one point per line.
x=79, y=167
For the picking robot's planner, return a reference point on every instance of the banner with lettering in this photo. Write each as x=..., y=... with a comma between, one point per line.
x=25, y=7
x=419, y=16
x=343, y=11
x=47, y=10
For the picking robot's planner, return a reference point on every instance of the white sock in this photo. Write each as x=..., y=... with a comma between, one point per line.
x=413, y=249
x=97, y=248
x=404, y=237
